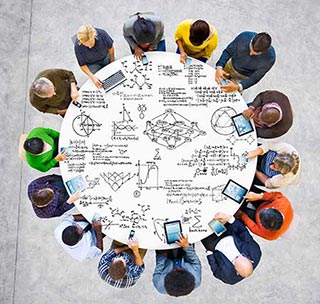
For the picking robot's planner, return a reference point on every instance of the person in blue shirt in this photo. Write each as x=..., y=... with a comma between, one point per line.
x=94, y=50
x=177, y=275
x=245, y=61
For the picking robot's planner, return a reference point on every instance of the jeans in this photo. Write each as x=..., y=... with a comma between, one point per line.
x=161, y=47
x=95, y=67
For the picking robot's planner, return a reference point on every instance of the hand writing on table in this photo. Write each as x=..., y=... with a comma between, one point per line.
x=183, y=241
x=138, y=52
x=248, y=113
x=73, y=197
x=220, y=74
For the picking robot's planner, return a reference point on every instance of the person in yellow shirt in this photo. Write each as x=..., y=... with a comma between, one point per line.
x=195, y=38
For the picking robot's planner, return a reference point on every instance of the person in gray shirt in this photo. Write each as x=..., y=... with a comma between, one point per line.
x=144, y=32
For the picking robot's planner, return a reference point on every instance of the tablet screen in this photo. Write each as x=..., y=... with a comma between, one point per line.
x=172, y=231
x=243, y=126
x=76, y=184
x=217, y=227
x=235, y=191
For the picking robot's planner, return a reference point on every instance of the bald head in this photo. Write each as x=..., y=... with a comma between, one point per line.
x=269, y=115
x=243, y=266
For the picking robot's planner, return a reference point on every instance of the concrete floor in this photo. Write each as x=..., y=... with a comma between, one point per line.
x=36, y=35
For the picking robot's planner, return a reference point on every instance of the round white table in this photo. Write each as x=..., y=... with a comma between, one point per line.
x=160, y=146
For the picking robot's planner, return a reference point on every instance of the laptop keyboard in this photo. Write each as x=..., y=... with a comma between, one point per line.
x=113, y=81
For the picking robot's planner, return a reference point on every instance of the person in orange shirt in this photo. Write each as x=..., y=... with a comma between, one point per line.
x=273, y=215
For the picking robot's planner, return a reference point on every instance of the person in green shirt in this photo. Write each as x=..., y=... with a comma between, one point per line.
x=53, y=90
x=41, y=148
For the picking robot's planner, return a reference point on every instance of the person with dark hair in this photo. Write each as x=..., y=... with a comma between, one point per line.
x=144, y=32
x=234, y=255
x=245, y=61
x=272, y=114
x=41, y=146
x=278, y=165
x=272, y=217
x=121, y=266
x=53, y=90
x=49, y=197
x=195, y=38
x=178, y=271
x=79, y=238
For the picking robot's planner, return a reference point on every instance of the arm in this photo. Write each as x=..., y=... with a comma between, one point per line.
x=183, y=54
x=111, y=54
x=159, y=273
x=93, y=78
x=228, y=52
x=66, y=75
x=98, y=229
x=134, y=246
x=262, y=177
x=121, y=249
x=52, y=133
x=128, y=32
x=74, y=91
x=159, y=24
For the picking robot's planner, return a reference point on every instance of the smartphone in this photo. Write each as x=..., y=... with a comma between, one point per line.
x=65, y=149
x=77, y=104
x=217, y=227
x=188, y=61
x=96, y=217
x=144, y=60
x=131, y=234
x=224, y=82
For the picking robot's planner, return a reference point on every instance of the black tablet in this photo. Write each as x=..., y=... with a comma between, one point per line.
x=242, y=125
x=234, y=191
x=172, y=231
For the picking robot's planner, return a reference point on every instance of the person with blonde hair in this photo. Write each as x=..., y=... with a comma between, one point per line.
x=94, y=50
x=278, y=165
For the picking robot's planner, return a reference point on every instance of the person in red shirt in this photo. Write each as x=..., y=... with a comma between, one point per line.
x=273, y=215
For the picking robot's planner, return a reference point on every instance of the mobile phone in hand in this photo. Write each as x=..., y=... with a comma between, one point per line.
x=77, y=104
x=144, y=60
x=224, y=82
x=131, y=234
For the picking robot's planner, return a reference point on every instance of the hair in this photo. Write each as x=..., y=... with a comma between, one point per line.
x=117, y=270
x=42, y=197
x=270, y=115
x=86, y=33
x=261, y=42
x=271, y=219
x=41, y=86
x=34, y=145
x=199, y=32
x=179, y=282
x=287, y=162
x=144, y=30
x=70, y=235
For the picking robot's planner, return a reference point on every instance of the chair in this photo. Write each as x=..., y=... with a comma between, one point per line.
x=292, y=228
x=22, y=151
x=74, y=39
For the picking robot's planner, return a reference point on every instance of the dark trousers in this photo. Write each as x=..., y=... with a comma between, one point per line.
x=202, y=59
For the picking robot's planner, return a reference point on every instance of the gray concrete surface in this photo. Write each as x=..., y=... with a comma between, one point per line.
x=35, y=35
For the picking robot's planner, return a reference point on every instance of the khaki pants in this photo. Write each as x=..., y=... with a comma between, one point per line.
x=234, y=75
x=115, y=244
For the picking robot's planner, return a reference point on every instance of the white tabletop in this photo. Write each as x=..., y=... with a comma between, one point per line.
x=159, y=147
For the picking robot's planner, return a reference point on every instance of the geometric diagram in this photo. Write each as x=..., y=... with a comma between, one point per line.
x=116, y=180
x=221, y=121
x=217, y=195
x=148, y=175
x=142, y=108
x=125, y=125
x=159, y=229
x=172, y=130
x=92, y=182
x=84, y=125
x=138, y=79
x=233, y=139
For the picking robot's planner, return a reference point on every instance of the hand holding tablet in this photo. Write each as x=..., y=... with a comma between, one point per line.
x=172, y=231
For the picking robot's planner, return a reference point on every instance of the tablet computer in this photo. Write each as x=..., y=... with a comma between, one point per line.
x=217, y=227
x=242, y=125
x=172, y=231
x=75, y=184
x=235, y=191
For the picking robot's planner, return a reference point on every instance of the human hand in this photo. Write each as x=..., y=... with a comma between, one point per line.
x=74, y=93
x=97, y=82
x=61, y=156
x=183, y=241
x=62, y=112
x=183, y=57
x=220, y=74
x=254, y=153
x=133, y=244
x=230, y=87
x=251, y=196
x=222, y=217
x=138, y=52
x=97, y=226
x=248, y=113
x=73, y=197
